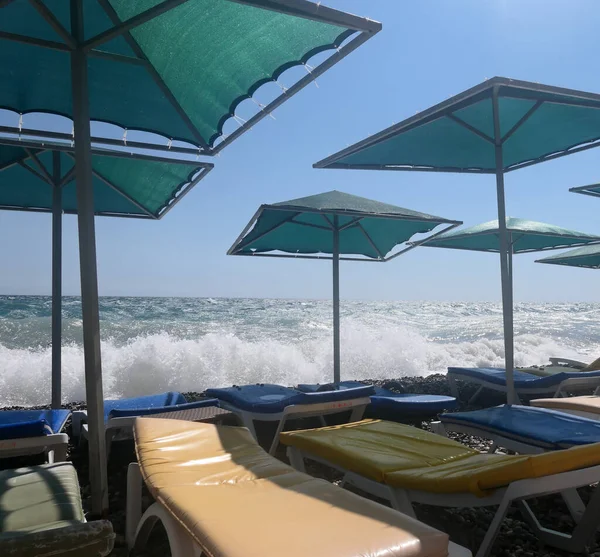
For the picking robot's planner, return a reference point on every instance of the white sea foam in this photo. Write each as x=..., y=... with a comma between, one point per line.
x=150, y=363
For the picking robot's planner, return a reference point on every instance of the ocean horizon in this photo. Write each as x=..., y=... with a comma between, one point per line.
x=152, y=344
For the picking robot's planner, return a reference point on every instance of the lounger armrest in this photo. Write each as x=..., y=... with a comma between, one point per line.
x=86, y=539
x=135, y=412
x=568, y=362
x=578, y=383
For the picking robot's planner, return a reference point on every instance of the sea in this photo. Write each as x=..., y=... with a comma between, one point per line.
x=151, y=345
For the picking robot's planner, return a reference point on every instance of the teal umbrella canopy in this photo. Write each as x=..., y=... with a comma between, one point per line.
x=592, y=190
x=124, y=185
x=524, y=236
x=178, y=68
x=333, y=223
x=366, y=228
x=587, y=257
x=535, y=123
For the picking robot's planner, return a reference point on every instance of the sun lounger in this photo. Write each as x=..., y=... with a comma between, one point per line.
x=388, y=405
x=41, y=515
x=28, y=432
x=559, y=365
x=274, y=403
x=525, y=383
x=404, y=464
x=217, y=492
x=120, y=414
x=524, y=429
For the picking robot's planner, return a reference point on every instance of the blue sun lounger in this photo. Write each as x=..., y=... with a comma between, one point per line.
x=525, y=429
x=388, y=405
x=525, y=383
x=120, y=414
x=28, y=432
x=275, y=403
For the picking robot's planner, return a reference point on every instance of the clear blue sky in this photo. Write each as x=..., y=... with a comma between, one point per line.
x=426, y=52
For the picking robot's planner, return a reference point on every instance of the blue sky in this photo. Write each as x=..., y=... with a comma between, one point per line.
x=426, y=52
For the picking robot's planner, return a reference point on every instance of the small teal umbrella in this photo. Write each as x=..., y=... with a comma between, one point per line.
x=587, y=257
x=335, y=224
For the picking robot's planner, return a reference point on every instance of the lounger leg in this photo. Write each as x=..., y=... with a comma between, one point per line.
x=296, y=459
x=180, y=542
x=133, y=513
x=493, y=448
x=439, y=429
x=475, y=396
x=109, y=433
x=401, y=502
x=357, y=413
x=492, y=533
x=275, y=442
x=453, y=386
x=58, y=453
x=574, y=503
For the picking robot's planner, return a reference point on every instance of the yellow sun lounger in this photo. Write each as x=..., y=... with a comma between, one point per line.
x=404, y=464
x=560, y=365
x=219, y=494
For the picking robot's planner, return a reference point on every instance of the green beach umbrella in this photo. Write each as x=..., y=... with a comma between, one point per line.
x=524, y=236
x=344, y=227
x=592, y=190
x=41, y=178
x=177, y=68
x=587, y=257
x=493, y=128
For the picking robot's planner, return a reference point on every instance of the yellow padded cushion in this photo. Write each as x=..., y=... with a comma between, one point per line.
x=406, y=457
x=236, y=500
x=585, y=403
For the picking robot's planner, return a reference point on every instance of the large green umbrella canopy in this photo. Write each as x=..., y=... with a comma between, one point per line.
x=495, y=127
x=587, y=257
x=524, y=236
x=178, y=68
x=41, y=178
x=336, y=224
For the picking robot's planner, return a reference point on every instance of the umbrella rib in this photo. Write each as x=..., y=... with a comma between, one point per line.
x=35, y=173
x=464, y=124
x=300, y=223
x=522, y=120
x=368, y=237
x=233, y=251
x=50, y=18
x=326, y=218
x=34, y=41
x=48, y=177
x=352, y=223
x=67, y=177
x=112, y=14
x=121, y=27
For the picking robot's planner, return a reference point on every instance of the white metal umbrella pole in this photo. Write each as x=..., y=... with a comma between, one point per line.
x=336, y=300
x=504, y=255
x=88, y=270
x=56, y=279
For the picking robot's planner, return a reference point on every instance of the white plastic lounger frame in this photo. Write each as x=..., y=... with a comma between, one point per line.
x=139, y=526
x=54, y=446
x=568, y=385
x=355, y=405
x=114, y=426
x=570, y=496
x=519, y=491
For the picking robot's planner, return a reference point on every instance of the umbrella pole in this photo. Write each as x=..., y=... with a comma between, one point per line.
x=88, y=270
x=504, y=258
x=336, y=300
x=56, y=280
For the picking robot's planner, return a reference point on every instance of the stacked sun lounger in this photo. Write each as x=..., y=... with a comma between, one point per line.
x=217, y=492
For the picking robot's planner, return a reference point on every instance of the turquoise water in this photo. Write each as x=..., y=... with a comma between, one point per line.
x=152, y=344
